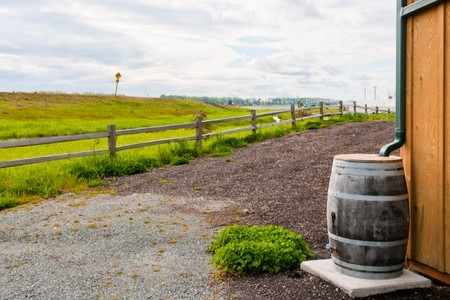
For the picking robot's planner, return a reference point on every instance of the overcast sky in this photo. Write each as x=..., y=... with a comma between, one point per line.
x=246, y=48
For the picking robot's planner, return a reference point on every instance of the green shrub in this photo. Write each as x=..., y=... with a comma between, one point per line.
x=223, y=146
x=258, y=249
x=41, y=186
x=46, y=183
x=178, y=160
x=280, y=132
x=182, y=149
x=231, y=142
x=314, y=124
x=8, y=202
x=94, y=183
x=163, y=155
x=102, y=166
x=222, y=151
x=254, y=137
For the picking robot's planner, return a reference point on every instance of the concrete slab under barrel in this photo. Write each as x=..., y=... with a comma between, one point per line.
x=357, y=287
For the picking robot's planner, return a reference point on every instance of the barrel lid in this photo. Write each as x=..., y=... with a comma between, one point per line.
x=360, y=157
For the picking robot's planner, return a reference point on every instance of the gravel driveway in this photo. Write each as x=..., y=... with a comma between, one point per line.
x=140, y=246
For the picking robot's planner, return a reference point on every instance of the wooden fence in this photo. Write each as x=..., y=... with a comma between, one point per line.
x=112, y=134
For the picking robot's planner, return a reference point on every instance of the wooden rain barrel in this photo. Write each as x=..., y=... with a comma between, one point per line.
x=368, y=216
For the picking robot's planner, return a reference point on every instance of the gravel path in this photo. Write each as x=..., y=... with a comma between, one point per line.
x=140, y=246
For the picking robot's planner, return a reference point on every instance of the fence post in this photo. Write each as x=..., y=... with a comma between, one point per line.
x=341, y=107
x=354, y=107
x=321, y=110
x=294, y=123
x=112, y=140
x=253, y=112
x=199, y=131
x=365, y=108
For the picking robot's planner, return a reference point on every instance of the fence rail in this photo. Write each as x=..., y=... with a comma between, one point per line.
x=111, y=134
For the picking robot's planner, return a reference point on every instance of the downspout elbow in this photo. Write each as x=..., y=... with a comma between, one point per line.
x=400, y=138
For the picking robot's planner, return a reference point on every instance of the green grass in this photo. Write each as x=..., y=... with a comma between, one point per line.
x=37, y=115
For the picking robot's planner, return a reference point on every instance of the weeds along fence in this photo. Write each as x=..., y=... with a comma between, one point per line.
x=112, y=134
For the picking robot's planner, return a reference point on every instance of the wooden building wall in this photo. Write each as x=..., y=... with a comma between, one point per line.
x=426, y=154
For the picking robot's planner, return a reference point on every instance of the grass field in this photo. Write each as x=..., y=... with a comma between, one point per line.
x=30, y=115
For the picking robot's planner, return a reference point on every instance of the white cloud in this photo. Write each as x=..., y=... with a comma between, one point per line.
x=265, y=48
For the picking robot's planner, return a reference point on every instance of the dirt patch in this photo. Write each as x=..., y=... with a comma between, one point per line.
x=283, y=181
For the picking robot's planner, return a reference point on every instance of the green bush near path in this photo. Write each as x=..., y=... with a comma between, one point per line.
x=258, y=249
x=95, y=168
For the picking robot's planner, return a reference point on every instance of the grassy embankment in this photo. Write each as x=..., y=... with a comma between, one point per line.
x=37, y=115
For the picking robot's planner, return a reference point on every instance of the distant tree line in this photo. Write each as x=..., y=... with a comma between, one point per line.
x=304, y=101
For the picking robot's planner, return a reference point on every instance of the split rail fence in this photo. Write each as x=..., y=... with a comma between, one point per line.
x=112, y=134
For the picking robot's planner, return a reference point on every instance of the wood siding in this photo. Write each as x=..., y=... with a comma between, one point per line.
x=426, y=153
